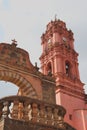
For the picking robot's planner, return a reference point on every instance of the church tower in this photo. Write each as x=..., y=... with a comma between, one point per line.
x=60, y=60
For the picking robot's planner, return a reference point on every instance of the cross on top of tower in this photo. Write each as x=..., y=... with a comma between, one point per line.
x=14, y=42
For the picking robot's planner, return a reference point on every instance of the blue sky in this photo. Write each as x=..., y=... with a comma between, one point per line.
x=26, y=20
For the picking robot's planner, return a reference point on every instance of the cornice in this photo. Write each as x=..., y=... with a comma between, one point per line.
x=70, y=92
x=60, y=49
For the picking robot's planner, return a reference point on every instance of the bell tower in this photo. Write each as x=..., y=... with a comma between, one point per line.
x=59, y=59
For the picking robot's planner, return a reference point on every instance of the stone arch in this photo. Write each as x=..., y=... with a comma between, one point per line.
x=20, y=81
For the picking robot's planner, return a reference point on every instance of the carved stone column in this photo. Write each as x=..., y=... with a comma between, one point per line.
x=42, y=113
x=60, y=121
x=49, y=115
x=20, y=111
x=34, y=112
x=26, y=111
x=14, y=113
x=6, y=110
x=55, y=116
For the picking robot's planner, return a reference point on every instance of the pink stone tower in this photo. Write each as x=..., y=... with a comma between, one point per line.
x=59, y=59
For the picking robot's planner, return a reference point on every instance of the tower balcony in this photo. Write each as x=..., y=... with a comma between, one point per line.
x=32, y=111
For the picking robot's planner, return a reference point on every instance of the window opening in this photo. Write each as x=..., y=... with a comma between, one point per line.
x=49, y=70
x=67, y=69
x=70, y=116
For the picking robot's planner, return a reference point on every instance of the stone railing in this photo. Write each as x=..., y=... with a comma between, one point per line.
x=31, y=110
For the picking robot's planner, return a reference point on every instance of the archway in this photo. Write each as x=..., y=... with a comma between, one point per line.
x=20, y=81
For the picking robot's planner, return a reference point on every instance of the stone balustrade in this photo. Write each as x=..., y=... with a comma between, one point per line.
x=31, y=110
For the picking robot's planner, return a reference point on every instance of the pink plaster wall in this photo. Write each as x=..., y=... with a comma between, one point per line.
x=80, y=119
x=70, y=103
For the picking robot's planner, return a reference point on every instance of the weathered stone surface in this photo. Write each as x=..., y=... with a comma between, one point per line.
x=10, y=124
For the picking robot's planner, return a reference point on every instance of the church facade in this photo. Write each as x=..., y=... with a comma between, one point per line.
x=53, y=99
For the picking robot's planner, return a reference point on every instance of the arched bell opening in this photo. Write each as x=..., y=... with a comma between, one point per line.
x=67, y=68
x=49, y=69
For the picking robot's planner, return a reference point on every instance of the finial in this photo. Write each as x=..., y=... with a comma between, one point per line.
x=37, y=68
x=55, y=17
x=35, y=64
x=14, y=42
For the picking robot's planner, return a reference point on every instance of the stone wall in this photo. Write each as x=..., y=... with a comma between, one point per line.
x=10, y=124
